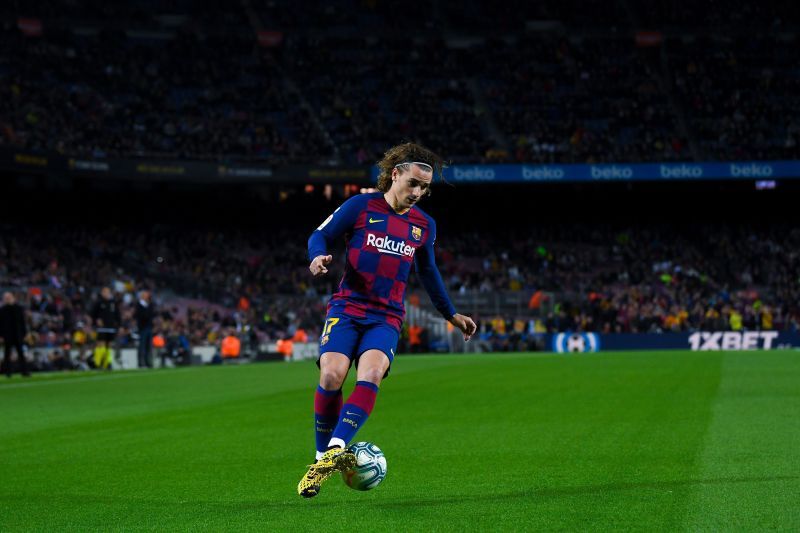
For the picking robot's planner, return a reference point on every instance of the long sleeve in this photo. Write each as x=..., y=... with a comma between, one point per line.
x=425, y=260
x=334, y=227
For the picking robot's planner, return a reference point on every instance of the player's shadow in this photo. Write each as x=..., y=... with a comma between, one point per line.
x=539, y=494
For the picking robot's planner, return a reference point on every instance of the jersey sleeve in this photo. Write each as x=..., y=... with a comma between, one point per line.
x=334, y=227
x=425, y=261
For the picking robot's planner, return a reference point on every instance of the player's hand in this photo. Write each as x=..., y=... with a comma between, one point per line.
x=317, y=266
x=465, y=324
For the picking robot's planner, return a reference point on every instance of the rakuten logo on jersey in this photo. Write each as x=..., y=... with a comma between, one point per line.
x=385, y=245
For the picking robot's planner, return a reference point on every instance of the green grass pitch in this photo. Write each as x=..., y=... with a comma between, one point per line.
x=624, y=441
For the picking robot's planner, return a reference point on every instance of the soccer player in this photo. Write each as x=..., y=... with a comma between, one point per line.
x=385, y=232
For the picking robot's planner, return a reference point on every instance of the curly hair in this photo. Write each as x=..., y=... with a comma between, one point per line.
x=406, y=153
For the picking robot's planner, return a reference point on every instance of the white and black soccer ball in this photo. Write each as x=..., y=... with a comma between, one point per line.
x=370, y=467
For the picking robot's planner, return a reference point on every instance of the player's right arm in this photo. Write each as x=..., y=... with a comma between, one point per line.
x=331, y=229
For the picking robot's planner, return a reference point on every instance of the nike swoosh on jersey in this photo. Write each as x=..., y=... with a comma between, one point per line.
x=374, y=220
x=352, y=414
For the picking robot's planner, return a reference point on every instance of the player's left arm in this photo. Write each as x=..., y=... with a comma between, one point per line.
x=425, y=260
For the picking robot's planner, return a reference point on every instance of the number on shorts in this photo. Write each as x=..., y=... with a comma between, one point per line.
x=329, y=325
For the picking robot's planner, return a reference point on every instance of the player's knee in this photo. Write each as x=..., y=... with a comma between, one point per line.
x=371, y=374
x=332, y=378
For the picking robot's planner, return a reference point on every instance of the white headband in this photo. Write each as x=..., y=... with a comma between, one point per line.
x=418, y=163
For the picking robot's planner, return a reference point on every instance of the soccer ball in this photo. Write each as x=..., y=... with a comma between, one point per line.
x=370, y=467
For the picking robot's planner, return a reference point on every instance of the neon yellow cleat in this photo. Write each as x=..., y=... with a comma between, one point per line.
x=332, y=461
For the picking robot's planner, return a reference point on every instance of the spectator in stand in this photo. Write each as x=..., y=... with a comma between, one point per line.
x=177, y=348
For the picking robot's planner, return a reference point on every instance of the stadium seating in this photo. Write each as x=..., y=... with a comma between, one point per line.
x=475, y=83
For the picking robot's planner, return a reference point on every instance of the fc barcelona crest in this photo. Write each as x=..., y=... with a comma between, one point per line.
x=416, y=232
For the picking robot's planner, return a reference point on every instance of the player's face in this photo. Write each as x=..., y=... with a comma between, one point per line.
x=409, y=186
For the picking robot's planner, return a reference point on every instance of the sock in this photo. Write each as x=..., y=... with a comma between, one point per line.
x=327, y=404
x=355, y=412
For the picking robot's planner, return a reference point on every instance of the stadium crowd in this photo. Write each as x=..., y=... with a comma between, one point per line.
x=203, y=88
x=107, y=95
x=741, y=96
x=634, y=280
x=210, y=283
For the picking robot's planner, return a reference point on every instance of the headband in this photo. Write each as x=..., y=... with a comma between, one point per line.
x=419, y=163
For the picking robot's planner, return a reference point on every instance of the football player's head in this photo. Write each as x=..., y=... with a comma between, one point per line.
x=407, y=171
x=404, y=158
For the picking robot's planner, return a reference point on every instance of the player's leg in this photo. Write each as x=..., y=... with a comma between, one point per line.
x=333, y=368
x=339, y=338
x=337, y=344
x=377, y=352
x=373, y=365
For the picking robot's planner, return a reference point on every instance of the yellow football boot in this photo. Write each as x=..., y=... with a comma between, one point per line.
x=332, y=461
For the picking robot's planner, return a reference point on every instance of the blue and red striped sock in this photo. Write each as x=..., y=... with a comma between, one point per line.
x=354, y=413
x=327, y=404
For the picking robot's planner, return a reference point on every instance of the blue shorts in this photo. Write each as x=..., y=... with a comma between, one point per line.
x=352, y=337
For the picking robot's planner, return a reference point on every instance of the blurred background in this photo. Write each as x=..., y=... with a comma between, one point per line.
x=623, y=174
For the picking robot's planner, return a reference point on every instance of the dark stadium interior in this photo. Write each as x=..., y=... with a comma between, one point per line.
x=480, y=206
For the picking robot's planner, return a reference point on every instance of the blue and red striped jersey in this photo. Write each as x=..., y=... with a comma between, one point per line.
x=381, y=246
